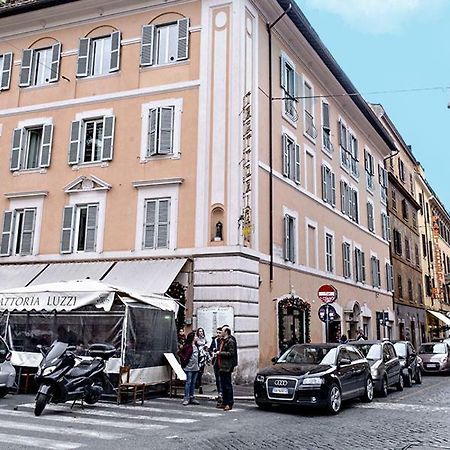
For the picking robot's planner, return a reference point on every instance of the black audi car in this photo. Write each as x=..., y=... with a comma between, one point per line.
x=320, y=375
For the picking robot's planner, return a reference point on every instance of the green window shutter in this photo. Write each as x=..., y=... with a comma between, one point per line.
x=152, y=148
x=56, y=58
x=16, y=151
x=183, y=39
x=149, y=224
x=74, y=147
x=114, y=62
x=91, y=228
x=333, y=189
x=147, y=42
x=166, y=121
x=108, y=138
x=67, y=229
x=84, y=51
x=26, y=241
x=26, y=68
x=46, y=145
x=7, y=233
x=6, y=71
x=163, y=224
x=297, y=164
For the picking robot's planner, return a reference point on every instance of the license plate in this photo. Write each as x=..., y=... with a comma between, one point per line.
x=278, y=390
x=432, y=365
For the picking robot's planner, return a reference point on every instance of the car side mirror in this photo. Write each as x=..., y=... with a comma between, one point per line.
x=274, y=360
x=344, y=362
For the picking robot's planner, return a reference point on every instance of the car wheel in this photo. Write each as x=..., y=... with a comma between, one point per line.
x=408, y=380
x=334, y=399
x=263, y=406
x=3, y=391
x=384, y=387
x=368, y=393
x=400, y=384
x=418, y=379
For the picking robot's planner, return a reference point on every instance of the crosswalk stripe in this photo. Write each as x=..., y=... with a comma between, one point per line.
x=173, y=402
x=38, y=442
x=52, y=430
x=87, y=421
x=404, y=407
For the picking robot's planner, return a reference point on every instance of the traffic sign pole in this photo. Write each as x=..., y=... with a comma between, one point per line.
x=327, y=323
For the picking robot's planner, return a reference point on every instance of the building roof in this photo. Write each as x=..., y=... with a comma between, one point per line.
x=14, y=7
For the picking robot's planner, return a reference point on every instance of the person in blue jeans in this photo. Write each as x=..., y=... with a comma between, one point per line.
x=226, y=357
x=189, y=361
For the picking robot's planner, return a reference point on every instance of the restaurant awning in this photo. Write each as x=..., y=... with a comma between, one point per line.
x=440, y=316
x=18, y=275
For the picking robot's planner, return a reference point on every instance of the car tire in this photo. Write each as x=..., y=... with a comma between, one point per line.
x=3, y=391
x=400, y=383
x=263, y=406
x=408, y=380
x=418, y=378
x=334, y=401
x=368, y=393
x=384, y=388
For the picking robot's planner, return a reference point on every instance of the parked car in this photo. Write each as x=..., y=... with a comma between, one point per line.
x=7, y=371
x=384, y=365
x=409, y=362
x=320, y=375
x=435, y=357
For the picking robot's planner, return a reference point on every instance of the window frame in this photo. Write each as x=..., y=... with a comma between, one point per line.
x=329, y=251
x=291, y=161
x=289, y=113
x=309, y=110
x=157, y=224
x=326, y=130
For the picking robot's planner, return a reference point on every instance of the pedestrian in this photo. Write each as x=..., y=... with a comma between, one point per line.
x=235, y=345
x=188, y=355
x=215, y=344
x=203, y=357
x=343, y=339
x=360, y=336
x=226, y=356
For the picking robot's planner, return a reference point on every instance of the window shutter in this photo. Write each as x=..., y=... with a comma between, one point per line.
x=163, y=224
x=283, y=81
x=377, y=268
x=326, y=115
x=363, y=267
x=26, y=242
x=388, y=228
x=324, y=184
x=46, y=146
x=108, y=138
x=6, y=72
x=373, y=271
x=67, y=229
x=165, y=139
x=5, y=247
x=370, y=216
x=91, y=228
x=16, y=151
x=286, y=238
x=342, y=136
x=56, y=58
x=149, y=225
x=285, y=145
x=84, y=51
x=183, y=39
x=25, y=70
x=297, y=163
x=366, y=161
x=152, y=128
x=74, y=148
x=114, y=62
x=148, y=38
x=343, y=208
x=344, y=259
x=333, y=189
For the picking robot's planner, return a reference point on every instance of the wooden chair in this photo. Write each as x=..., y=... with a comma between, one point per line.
x=175, y=385
x=128, y=389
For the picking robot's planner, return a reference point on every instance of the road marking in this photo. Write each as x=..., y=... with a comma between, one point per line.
x=404, y=407
x=38, y=442
x=211, y=406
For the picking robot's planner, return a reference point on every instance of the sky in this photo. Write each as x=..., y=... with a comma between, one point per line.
x=391, y=45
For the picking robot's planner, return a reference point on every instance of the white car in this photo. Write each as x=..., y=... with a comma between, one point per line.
x=7, y=371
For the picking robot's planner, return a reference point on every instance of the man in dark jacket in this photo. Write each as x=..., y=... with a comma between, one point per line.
x=226, y=356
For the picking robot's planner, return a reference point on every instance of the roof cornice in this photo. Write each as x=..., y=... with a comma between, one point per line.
x=13, y=7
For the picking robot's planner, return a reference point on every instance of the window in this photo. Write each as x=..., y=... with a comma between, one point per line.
x=410, y=291
x=421, y=203
x=349, y=201
x=354, y=156
x=308, y=95
x=79, y=228
x=407, y=249
x=165, y=44
x=405, y=213
x=329, y=252
x=344, y=143
x=424, y=246
x=328, y=186
x=401, y=170
x=370, y=217
x=157, y=224
x=383, y=180
x=289, y=238
x=375, y=269
x=394, y=200
x=428, y=286
x=411, y=184
x=389, y=277
x=399, y=286
x=99, y=56
x=40, y=66
x=91, y=140
x=326, y=129
x=385, y=227
x=346, y=257
x=291, y=159
x=414, y=220
x=289, y=86
x=161, y=130
x=369, y=169
x=397, y=242
x=31, y=147
x=420, y=293
x=18, y=232
x=354, y=208
x=6, y=61
x=360, y=266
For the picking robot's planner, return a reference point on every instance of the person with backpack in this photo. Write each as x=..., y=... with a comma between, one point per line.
x=188, y=355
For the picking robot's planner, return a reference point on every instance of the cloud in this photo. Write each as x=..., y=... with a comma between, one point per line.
x=378, y=16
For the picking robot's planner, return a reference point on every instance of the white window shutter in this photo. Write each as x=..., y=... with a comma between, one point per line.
x=166, y=123
x=183, y=39
x=56, y=58
x=74, y=147
x=297, y=163
x=16, y=150
x=324, y=184
x=7, y=233
x=91, y=228
x=108, y=138
x=285, y=146
x=163, y=224
x=149, y=224
x=114, y=62
x=26, y=67
x=46, y=145
x=152, y=132
x=6, y=71
x=147, y=43
x=26, y=243
x=67, y=229
x=84, y=51
x=333, y=189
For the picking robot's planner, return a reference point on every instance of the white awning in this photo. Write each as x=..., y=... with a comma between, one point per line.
x=145, y=277
x=440, y=316
x=18, y=275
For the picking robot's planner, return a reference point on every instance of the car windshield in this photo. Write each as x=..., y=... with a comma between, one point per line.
x=370, y=351
x=433, y=348
x=308, y=354
x=400, y=348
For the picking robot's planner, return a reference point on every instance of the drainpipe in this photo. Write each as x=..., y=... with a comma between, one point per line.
x=269, y=30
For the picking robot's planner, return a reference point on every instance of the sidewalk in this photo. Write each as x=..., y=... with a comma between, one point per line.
x=241, y=392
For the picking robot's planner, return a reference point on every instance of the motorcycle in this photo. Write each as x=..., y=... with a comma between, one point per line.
x=64, y=376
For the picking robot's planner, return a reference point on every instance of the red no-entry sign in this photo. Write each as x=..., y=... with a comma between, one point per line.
x=327, y=293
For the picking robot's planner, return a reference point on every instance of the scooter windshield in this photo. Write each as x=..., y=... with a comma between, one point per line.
x=56, y=350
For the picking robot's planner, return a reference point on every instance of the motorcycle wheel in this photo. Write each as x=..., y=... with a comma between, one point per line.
x=91, y=399
x=41, y=402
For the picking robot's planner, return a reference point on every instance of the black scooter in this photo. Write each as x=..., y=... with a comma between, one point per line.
x=63, y=376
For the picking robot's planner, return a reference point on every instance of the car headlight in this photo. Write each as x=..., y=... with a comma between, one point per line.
x=443, y=359
x=260, y=378
x=48, y=370
x=313, y=381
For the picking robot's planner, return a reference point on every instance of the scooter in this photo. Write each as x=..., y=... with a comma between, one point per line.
x=63, y=376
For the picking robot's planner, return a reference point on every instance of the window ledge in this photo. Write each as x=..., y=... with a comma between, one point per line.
x=162, y=181
x=26, y=194
x=17, y=173
x=163, y=66
x=288, y=119
x=309, y=138
x=77, y=167
x=96, y=77
x=148, y=159
x=39, y=86
x=327, y=152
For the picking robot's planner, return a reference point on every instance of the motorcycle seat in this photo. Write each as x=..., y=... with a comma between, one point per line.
x=85, y=369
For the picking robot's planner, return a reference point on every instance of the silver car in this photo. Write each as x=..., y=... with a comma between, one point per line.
x=435, y=357
x=7, y=371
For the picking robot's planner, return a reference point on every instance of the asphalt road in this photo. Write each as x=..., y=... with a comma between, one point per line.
x=417, y=418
